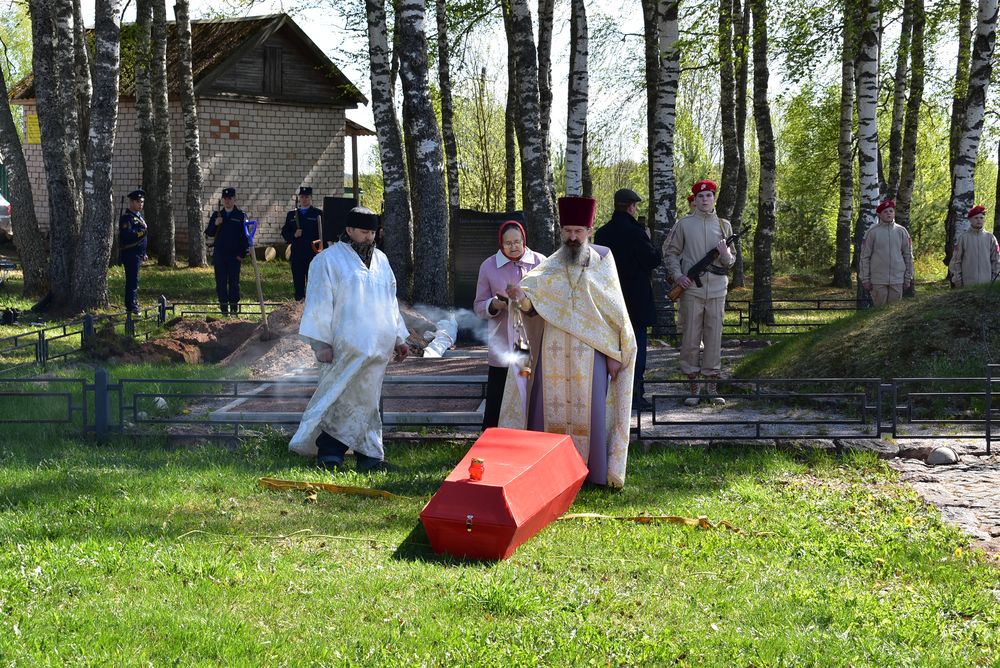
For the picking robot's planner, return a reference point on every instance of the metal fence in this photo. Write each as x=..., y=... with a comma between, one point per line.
x=772, y=409
x=53, y=343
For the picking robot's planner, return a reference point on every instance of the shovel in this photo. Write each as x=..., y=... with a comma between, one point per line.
x=251, y=228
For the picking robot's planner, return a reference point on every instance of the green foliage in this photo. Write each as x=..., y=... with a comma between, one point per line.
x=808, y=180
x=132, y=555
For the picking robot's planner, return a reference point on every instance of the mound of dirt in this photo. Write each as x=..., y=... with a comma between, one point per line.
x=193, y=342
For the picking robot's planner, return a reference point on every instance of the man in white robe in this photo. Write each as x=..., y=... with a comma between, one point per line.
x=352, y=321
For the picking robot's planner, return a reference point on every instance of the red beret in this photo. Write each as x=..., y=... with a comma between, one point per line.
x=976, y=210
x=703, y=185
x=578, y=211
x=885, y=204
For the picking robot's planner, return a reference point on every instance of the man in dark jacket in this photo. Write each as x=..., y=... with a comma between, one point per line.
x=302, y=230
x=636, y=257
x=228, y=227
x=132, y=246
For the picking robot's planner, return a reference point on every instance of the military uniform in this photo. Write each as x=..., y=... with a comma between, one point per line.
x=308, y=220
x=132, y=242
x=701, y=309
x=886, y=261
x=228, y=228
x=976, y=258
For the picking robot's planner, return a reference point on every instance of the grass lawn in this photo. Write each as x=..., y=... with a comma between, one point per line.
x=155, y=555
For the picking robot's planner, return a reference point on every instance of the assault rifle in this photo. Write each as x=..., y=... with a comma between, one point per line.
x=701, y=266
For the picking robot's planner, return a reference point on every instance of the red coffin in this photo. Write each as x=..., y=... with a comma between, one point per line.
x=530, y=479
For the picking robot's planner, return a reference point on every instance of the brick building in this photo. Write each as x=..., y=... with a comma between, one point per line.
x=271, y=115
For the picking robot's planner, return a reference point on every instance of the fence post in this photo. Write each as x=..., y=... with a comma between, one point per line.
x=989, y=408
x=129, y=325
x=161, y=314
x=88, y=327
x=102, y=403
x=40, y=347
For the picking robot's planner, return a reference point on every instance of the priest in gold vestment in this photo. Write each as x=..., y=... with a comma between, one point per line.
x=582, y=349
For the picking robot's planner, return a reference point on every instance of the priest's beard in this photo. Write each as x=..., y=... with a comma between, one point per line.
x=364, y=250
x=576, y=251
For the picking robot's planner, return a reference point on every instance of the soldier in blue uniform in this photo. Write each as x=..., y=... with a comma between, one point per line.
x=228, y=227
x=132, y=246
x=302, y=230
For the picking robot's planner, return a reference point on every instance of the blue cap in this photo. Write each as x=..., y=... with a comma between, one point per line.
x=229, y=192
x=137, y=194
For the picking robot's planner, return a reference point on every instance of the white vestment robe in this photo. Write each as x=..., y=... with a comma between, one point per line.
x=351, y=308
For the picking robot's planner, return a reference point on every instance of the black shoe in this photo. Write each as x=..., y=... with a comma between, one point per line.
x=642, y=404
x=374, y=466
x=333, y=464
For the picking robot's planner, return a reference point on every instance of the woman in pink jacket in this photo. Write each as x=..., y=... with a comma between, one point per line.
x=508, y=266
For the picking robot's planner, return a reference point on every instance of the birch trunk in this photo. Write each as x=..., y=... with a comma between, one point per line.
x=144, y=111
x=576, y=116
x=727, y=110
x=546, y=10
x=510, y=138
x=447, y=111
x=867, y=77
x=192, y=150
x=47, y=51
x=996, y=205
x=899, y=101
x=430, y=210
x=763, y=238
x=741, y=26
x=27, y=236
x=958, y=102
x=907, y=171
x=81, y=63
x=845, y=213
x=980, y=71
x=662, y=21
x=90, y=280
x=396, y=217
x=68, y=96
x=163, y=189
x=538, y=209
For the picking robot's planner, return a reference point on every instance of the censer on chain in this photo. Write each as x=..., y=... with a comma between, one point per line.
x=522, y=351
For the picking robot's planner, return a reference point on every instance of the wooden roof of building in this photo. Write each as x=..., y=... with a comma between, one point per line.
x=217, y=45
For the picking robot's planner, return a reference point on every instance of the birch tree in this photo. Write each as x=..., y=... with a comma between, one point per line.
x=911, y=123
x=163, y=188
x=867, y=87
x=538, y=209
x=430, y=211
x=741, y=27
x=727, y=109
x=576, y=116
x=510, y=138
x=192, y=149
x=50, y=51
x=144, y=114
x=27, y=238
x=447, y=110
x=396, y=218
x=81, y=73
x=546, y=11
x=763, y=238
x=845, y=144
x=90, y=276
x=899, y=100
x=980, y=71
x=958, y=100
x=661, y=35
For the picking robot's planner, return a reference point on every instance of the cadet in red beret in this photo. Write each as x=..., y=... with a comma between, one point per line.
x=885, y=267
x=701, y=308
x=977, y=257
x=582, y=349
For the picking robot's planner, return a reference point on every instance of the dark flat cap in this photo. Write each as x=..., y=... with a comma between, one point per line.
x=306, y=190
x=137, y=194
x=626, y=196
x=229, y=192
x=362, y=218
